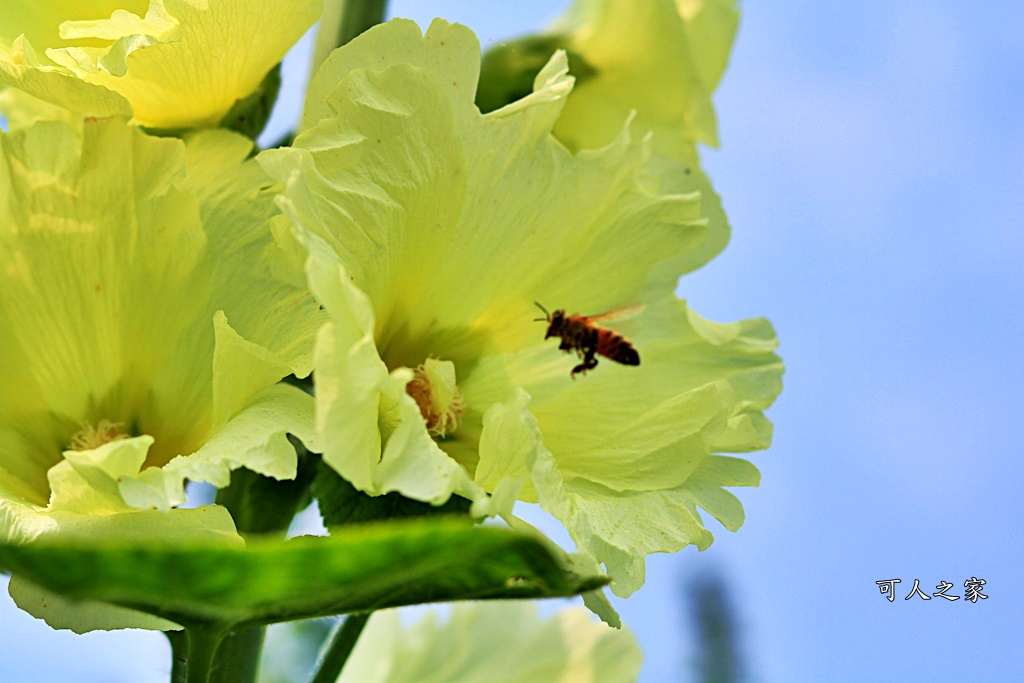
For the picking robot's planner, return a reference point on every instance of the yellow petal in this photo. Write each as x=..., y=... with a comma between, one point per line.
x=659, y=58
x=179, y=63
x=133, y=338
x=493, y=641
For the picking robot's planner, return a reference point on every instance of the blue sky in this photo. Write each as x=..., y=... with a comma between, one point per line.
x=872, y=167
x=872, y=170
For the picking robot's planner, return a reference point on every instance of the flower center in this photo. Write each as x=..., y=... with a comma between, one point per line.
x=435, y=392
x=90, y=437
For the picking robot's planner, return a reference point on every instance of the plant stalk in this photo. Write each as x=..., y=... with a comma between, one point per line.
x=203, y=642
x=179, y=655
x=342, y=21
x=238, y=659
x=338, y=647
x=357, y=16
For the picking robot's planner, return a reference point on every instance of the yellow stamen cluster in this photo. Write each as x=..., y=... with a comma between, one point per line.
x=440, y=403
x=89, y=437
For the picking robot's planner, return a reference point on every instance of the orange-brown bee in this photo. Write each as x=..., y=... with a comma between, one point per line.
x=582, y=334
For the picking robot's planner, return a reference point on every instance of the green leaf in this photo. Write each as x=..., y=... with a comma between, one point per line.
x=363, y=568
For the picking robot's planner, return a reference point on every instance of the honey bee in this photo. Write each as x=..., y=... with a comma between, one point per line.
x=582, y=334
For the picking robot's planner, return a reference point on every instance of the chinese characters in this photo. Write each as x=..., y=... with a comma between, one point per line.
x=974, y=586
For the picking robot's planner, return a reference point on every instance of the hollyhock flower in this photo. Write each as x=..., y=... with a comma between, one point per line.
x=165, y=63
x=654, y=63
x=494, y=642
x=433, y=229
x=661, y=59
x=143, y=333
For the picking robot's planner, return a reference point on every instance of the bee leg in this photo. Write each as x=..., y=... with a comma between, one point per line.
x=589, y=363
x=565, y=346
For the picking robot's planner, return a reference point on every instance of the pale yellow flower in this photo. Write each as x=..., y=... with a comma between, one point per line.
x=657, y=59
x=142, y=334
x=433, y=229
x=493, y=642
x=165, y=63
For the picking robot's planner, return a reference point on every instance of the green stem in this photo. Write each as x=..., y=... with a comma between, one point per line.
x=179, y=655
x=338, y=647
x=260, y=506
x=357, y=16
x=238, y=659
x=203, y=641
x=342, y=21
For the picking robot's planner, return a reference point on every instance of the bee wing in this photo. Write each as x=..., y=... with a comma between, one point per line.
x=618, y=314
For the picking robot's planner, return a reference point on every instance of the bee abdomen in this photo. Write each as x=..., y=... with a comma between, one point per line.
x=626, y=354
x=617, y=348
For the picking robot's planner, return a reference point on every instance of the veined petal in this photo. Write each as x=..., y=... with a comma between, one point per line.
x=649, y=451
x=620, y=528
x=157, y=25
x=695, y=349
x=21, y=110
x=493, y=642
x=508, y=443
x=370, y=180
x=254, y=438
x=411, y=462
x=80, y=616
x=236, y=206
x=88, y=481
x=180, y=63
x=85, y=504
x=372, y=432
x=648, y=446
x=122, y=375
x=349, y=376
x=684, y=176
x=711, y=28
x=659, y=58
x=41, y=21
x=132, y=307
x=25, y=521
x=205, y=524
x=240, y=369
x=444, y=226
x=54, y=85
x=442, y=51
